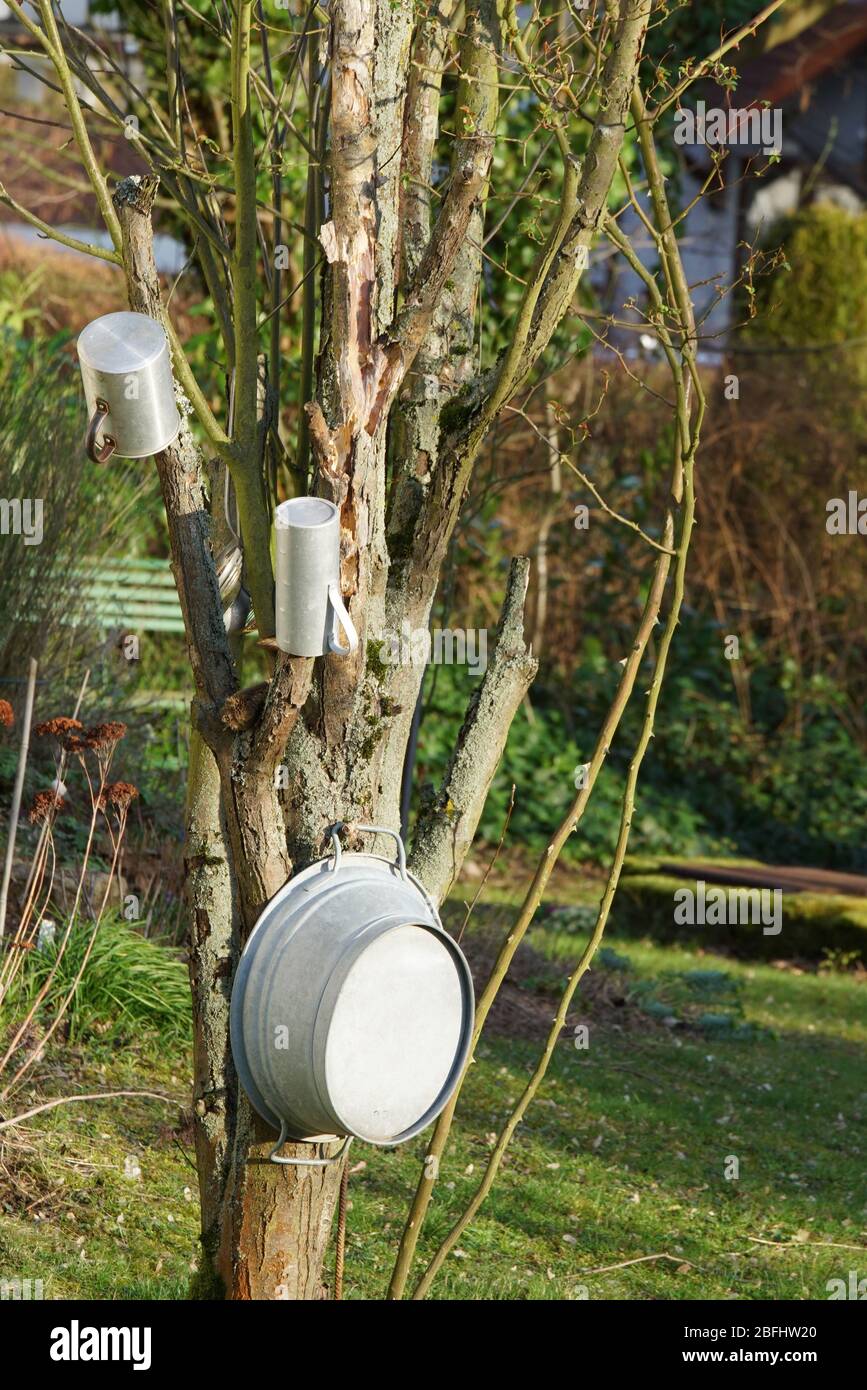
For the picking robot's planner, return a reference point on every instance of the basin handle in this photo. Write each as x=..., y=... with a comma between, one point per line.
x=368, y=830
x=306, y=1162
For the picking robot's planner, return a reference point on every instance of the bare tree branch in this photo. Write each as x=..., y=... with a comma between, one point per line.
x=445, y=832
x=467, y=420
x=421, y=128
x=287, y=692
x=180, y=469
x=87, y=248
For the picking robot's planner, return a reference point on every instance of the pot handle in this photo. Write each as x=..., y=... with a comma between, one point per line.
x=371, y=830
x=103, y=453
x=341, y=616
x=306, y=1162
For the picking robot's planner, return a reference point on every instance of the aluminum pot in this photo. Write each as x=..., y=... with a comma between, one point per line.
x=127, y=374
x=309, y=604
x=352, y=1008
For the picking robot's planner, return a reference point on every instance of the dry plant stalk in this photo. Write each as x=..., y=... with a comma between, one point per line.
x=93, y=749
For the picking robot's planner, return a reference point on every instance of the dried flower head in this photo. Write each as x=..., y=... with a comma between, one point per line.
x=118, y=794
x=104, y=735
x=44, y=803
x=7, y=714
x=65, y=731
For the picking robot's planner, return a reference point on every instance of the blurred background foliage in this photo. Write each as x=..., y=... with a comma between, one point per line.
x=817, y=297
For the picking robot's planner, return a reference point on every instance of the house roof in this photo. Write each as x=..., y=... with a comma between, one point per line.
x=817, y=81
x=787, y=69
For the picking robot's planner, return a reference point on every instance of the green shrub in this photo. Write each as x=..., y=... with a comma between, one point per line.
x=708, y=786
x=812, y=923
x=816, y=296
x=541, y=758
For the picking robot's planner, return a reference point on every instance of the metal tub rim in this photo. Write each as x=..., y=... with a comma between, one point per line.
x=281, y=917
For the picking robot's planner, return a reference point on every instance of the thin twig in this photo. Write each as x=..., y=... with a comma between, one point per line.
x=98, y=1095
x=733, y=41
x=18, y=791
x=590, y=486
x=642, y=1259
x=808, y=1244
x=478, y=893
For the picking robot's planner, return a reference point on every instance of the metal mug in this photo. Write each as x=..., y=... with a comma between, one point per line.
x=310, y=608
x=127, y=374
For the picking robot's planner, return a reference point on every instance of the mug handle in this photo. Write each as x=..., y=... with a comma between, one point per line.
x=100, y=453
x=341, y=616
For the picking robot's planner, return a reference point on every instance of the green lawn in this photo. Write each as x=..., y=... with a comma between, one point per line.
x=622, y=1155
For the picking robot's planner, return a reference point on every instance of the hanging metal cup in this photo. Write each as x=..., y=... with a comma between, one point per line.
x=127, y=374
x=310, y=608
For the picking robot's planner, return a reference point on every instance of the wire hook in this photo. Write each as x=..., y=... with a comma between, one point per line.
x=306, y=1162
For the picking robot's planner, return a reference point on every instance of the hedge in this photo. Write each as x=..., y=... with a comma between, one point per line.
x=812, y=923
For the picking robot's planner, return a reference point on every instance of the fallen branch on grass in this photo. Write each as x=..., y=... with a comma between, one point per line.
x=640, y=1260
x=99, y=1095
x=807, y=1244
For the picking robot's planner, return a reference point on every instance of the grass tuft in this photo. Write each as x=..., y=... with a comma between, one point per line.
x=130, y=985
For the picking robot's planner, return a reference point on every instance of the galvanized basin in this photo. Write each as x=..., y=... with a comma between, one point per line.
x=352, y=1008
